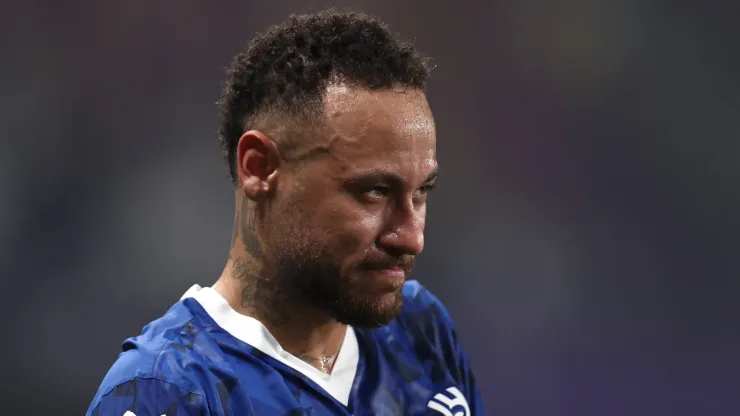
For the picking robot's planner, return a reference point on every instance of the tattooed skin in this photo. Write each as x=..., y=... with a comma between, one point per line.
x=246, y=268
x=249, y=232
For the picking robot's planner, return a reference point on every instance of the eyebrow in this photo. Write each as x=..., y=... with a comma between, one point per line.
x=382, y=176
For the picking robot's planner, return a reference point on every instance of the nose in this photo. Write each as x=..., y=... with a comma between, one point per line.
x=405, y=235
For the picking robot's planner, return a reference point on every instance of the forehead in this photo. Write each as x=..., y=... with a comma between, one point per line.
x=386, y=128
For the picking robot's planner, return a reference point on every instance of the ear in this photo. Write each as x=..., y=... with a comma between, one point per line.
x=256, y=160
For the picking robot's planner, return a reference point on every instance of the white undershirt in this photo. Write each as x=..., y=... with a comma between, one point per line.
x=252, y=332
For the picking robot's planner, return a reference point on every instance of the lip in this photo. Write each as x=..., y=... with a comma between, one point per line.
x=393, y=273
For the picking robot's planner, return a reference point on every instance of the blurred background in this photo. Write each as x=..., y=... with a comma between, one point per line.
x=584, y=237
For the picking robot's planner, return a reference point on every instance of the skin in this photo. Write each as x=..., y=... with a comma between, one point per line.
x=327, y=239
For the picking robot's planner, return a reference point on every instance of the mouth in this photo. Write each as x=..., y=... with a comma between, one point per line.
x=390, y=275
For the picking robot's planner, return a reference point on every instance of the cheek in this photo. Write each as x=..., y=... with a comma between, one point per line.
x=351, y=234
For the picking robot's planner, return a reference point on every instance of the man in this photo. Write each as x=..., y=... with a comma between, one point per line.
x=331, y=147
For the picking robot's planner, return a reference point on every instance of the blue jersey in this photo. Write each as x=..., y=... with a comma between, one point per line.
x=204, y=358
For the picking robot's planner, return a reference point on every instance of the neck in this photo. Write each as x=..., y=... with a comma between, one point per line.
x=300, y=329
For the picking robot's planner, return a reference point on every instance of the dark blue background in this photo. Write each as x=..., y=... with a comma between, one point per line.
x=584, y=236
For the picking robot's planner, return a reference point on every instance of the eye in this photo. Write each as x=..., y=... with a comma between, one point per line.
x=377, y=192
x=425, y=189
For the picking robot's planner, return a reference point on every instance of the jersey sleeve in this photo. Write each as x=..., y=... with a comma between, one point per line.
x=439, y=329
x=148, y=397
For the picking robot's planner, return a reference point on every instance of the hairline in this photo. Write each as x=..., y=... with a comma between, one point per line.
x=276, y=119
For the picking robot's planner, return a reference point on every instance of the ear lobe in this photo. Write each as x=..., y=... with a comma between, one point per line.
x=252, y=187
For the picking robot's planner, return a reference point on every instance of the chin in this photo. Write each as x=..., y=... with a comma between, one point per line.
x=370, y=311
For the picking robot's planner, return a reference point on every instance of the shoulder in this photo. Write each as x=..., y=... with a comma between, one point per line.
x=151, y=373
x=424, y=321
x=428, y=329
x=422, y=306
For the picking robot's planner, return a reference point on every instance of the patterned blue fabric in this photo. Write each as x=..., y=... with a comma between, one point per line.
x=185, y=364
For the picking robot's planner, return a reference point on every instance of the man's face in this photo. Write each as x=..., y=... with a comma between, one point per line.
x=347, y=223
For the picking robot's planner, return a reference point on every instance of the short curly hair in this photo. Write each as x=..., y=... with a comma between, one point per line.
x=284, y=72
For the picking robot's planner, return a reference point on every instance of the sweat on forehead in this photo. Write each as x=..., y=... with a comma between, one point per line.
x=354, y=112
x=352, y=117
